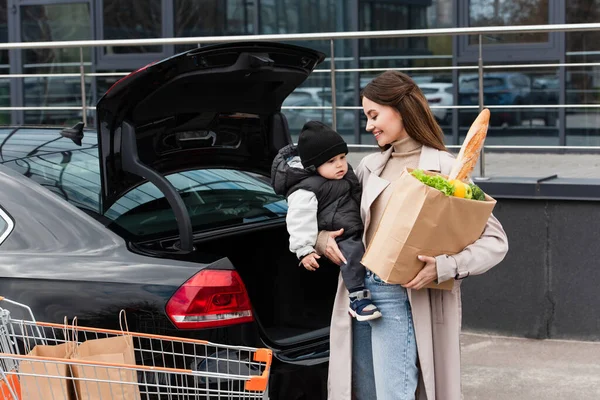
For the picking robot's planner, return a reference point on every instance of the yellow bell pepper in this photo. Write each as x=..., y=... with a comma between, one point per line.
x=461, y=189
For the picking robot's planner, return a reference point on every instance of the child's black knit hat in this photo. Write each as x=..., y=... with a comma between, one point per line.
x=318, y=143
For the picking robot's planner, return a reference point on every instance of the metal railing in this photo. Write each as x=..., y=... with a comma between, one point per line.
x=331, y=37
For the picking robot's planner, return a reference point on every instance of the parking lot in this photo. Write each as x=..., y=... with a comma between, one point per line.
x=506, y=368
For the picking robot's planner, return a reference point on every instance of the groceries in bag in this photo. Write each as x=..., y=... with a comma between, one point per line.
x=431, y=214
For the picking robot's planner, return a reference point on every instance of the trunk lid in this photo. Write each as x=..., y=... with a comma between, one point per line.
x=216, y=106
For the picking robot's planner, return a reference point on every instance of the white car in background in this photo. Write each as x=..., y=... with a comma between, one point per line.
x=439, y=95
x=308, y=97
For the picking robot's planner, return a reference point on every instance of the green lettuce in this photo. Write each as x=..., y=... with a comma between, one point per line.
x=436, y=182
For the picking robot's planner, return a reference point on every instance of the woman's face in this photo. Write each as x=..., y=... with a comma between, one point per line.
x=385, y=122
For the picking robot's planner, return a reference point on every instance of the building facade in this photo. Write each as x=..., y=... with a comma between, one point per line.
x=551, y=69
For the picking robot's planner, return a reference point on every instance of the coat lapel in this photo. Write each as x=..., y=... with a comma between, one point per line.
x=376, y=184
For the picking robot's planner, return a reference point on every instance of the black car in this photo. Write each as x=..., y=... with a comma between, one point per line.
x=166, y=211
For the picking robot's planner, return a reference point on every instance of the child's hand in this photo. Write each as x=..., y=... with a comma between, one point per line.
x=310, y=262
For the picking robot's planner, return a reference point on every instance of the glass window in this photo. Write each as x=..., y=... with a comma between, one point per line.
x=307, y=98
x=132, y=19
x=214, y=198
x=520, y=122
x=4, y=65
x=292, y=16
x=6, y=225
x=73, y=175
x=45, y=24
x=212, y=18
x=375, y=16
x=3, y=33
x=414, y=52
x=396, y=52
x=509, y=13
x=582, y=82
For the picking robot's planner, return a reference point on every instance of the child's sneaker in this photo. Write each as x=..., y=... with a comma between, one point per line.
x=362, y=307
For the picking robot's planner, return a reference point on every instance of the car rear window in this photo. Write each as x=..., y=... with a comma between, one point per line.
x=214, y=197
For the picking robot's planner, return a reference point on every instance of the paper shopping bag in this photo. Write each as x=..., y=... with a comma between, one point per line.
x=95, y=382
x=41, y=379
x=421, y=220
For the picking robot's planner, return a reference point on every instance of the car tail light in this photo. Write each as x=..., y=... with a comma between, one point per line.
x=435, y=100
x=211, y=298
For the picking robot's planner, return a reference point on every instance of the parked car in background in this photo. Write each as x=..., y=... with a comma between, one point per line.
x=544, y=91
x=315, y=104
x=166, y=211
x=499, y=89
x=439, y=95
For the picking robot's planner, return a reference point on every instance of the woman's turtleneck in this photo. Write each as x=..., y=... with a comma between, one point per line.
x=405, y=154
x=405, y=147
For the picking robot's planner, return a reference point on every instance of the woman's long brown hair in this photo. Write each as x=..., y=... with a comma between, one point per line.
x=398, y=90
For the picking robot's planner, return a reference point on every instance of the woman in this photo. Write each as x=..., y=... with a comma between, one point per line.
x=378, y=359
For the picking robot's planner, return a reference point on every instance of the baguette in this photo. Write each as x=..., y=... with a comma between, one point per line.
x=471, y=147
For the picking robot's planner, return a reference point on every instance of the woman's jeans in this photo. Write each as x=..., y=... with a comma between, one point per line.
x=384, y=350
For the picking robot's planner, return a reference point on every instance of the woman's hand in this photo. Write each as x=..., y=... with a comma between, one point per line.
x=427, y=275
x=332, y=251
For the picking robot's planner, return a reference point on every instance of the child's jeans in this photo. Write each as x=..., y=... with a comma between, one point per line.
x=384, y=351
x=353, y=273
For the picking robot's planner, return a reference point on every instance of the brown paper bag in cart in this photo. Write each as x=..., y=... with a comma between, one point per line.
x=42, y=380
x=115, y=382
x=421, y=220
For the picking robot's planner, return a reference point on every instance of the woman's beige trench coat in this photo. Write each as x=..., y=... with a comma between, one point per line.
x=436, y=313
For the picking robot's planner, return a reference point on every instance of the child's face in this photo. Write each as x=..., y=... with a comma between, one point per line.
x=334, y=168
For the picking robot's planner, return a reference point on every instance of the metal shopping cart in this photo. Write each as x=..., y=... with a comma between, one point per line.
x=40, y=360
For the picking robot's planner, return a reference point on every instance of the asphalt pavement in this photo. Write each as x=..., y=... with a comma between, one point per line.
x=507, y=368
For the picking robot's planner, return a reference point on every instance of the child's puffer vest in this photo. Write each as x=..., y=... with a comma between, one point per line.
x=339, y=199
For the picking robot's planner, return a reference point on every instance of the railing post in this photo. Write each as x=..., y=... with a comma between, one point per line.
x=480, y=71
x=83, y=94
x=333, y=91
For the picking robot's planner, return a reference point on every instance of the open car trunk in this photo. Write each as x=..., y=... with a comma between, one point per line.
x=186, y=125
x=291, y=304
